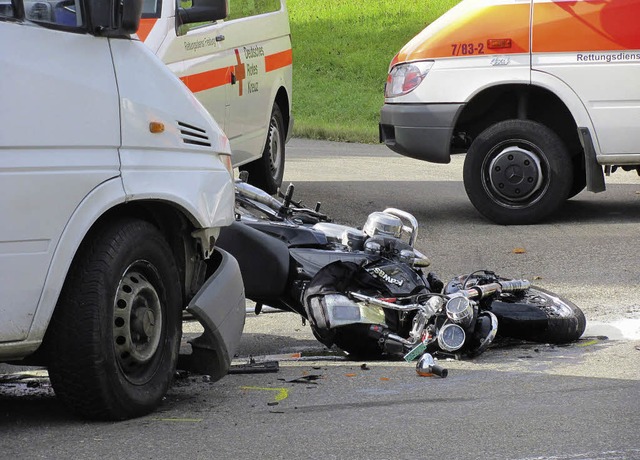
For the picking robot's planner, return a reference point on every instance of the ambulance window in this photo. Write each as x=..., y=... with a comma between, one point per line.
x=245, y=8
x=151, y=8
x=58, y=12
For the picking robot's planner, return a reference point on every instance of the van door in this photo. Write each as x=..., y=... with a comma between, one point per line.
x=594, y=47
x=53, y=153
x=258, y=35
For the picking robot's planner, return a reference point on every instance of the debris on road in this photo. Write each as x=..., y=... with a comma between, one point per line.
x=254, y=367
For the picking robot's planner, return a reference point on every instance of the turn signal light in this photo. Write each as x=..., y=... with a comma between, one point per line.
x=497, y=43
x=156, y=127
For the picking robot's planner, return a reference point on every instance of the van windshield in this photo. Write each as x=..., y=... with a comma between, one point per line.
x=55, y=12
x=151, y=8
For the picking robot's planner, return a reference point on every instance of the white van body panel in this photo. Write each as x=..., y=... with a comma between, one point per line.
x=175, y=165
x=610, y=92
x=104, y=197
x=458, y=80
x=43, y=179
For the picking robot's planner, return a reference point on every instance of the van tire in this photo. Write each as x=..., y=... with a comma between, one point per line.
x=114, y=339
x=517, y=172
x=267, y=171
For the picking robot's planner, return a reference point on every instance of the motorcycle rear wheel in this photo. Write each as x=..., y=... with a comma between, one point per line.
x=557, y=321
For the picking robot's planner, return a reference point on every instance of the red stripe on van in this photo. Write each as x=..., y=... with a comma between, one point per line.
x=145, y=28
x=207, y=80
x=278, y=60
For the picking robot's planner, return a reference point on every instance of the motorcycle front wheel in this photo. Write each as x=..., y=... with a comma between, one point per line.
x=538, y=316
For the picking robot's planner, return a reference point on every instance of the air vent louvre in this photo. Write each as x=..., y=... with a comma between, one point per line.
x=193, y=135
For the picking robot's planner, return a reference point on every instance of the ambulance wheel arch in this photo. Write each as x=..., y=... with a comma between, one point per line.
x=119, y=311
x=558, y=155
x=267, y=171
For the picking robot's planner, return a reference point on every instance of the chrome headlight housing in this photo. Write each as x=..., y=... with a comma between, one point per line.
x=460, y=311
x=341, y=311
x=451, y=337
x=384, y=224
x=404, y=78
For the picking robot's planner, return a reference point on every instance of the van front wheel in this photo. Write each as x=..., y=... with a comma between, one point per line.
x=267, y=171
x=517, y=172
x=114, y=338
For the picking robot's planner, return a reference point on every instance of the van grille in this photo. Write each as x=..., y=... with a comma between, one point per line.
x=193, y=135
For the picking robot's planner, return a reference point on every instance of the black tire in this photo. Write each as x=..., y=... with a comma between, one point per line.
x=517, y=172
x=115, y=334
x=267, y=171
x=579, y=176
x=561, y=320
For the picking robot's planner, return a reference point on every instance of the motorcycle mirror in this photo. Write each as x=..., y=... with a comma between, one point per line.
x=427, y=367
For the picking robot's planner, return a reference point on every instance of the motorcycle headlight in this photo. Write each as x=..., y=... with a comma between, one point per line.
x=340, y=311
x=404, y=78
x=384, y=224
x=451, y=337
x=460, y=311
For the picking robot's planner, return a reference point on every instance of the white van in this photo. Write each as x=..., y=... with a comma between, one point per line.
x=112, y=194
x=239, y=68
x=540, y=94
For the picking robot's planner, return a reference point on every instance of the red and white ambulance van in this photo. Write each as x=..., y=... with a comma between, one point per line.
x=541, y=94
x=238, y=67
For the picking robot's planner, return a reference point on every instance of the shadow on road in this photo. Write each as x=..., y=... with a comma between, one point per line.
x=445, y=202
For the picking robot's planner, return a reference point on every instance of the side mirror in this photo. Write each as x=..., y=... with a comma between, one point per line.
x=204, y=11
x=114, y=17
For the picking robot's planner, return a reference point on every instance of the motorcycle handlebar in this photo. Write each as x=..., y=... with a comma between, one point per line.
x=256, y=194
x=486, y=290
x=281, y=209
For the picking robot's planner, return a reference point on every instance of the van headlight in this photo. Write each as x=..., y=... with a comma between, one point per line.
x=404, y=78
x=228, y=165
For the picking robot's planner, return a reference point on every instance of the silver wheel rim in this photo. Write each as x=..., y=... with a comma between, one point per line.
x=275, y=148
x=515, y=174
x=552, y=305
x=137, y=322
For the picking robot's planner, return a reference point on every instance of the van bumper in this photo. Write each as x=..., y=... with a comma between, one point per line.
x=220, y=307
x=421, y=131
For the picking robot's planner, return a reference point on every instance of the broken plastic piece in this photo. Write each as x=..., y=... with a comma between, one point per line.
x=253, y=367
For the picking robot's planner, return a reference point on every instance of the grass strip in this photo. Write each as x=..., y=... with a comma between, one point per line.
x=341, y=54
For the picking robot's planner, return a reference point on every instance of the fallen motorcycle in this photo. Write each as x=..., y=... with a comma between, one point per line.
x=365, y=290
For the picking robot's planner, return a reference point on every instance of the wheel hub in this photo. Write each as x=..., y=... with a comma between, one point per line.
x=515, y=173
x=137, y=325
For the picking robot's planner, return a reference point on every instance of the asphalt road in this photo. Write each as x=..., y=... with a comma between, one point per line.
x=516, y=401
